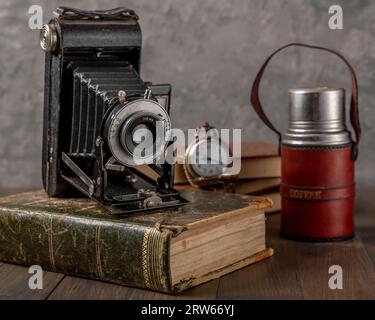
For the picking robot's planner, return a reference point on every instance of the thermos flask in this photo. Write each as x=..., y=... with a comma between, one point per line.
x=317, y=159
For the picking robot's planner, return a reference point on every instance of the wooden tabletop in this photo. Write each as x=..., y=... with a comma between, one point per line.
x=296, y=271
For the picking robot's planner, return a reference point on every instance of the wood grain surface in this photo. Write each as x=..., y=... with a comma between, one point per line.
x=296, y=271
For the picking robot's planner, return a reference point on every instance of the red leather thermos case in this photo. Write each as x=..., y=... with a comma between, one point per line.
x=317, y=156
x=317, y=193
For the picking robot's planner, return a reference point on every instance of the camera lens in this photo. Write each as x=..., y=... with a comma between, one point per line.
x=138, y=132
x=142, y=133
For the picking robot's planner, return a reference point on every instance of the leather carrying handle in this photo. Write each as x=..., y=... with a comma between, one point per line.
x=121, y=13
x=354, y=114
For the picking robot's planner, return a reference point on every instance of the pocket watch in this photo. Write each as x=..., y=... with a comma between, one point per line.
x=206, y=162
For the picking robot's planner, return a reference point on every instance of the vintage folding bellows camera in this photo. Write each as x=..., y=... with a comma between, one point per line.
x=97, y=111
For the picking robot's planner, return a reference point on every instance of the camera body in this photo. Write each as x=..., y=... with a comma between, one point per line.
x=97, y=110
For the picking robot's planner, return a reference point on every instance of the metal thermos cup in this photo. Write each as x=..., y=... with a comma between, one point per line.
x=317, y=171
x=317, y=159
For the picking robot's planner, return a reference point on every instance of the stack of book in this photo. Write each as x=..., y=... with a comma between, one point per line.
x=260, y=173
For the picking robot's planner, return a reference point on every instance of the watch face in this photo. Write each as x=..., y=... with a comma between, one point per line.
x=208, y=158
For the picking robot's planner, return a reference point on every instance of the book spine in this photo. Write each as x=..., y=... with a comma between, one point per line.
x=121, y=253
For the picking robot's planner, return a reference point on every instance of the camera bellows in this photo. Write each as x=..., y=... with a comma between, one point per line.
x=94, y=90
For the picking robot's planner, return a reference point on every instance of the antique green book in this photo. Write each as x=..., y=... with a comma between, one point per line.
x=167, y=250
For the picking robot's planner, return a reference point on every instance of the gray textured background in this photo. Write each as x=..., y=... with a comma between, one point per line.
x=210, y=51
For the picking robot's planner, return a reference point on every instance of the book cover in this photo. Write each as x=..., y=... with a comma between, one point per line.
x=151, y=251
